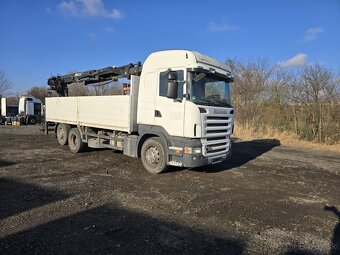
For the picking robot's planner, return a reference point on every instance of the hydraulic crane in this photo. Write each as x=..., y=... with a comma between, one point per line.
x=60, y=83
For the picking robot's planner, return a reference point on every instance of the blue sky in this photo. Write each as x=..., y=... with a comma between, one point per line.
x=39, y=38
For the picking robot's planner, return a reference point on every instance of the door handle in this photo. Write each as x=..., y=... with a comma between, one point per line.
x=158, y=114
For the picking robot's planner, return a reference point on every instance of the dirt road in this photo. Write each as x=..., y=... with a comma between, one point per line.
x=267, y=199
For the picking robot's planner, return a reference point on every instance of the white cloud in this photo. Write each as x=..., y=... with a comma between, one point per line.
x=69, y=7
x=222, y=27
x=312, y=33
x=88, y=8
x=297, y=60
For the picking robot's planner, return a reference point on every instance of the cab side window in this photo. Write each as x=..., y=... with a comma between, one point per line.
x=163, y=83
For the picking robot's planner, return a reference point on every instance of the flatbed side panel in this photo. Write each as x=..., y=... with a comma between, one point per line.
x=61, y=109
x=109, y=112
x=3, y=106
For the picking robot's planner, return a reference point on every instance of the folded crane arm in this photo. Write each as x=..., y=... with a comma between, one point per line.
x=60, y=83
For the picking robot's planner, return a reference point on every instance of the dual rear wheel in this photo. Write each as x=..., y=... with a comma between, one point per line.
x=70, y=136
x=62, y=133
x=75, y=142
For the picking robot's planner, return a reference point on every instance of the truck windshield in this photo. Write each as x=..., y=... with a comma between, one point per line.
x=210, y=90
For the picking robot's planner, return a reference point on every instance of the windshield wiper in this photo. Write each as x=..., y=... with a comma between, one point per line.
x=204, y=100
x=225, y=103
x=211, y=102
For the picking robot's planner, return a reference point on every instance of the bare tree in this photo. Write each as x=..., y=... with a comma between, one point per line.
x=5, y=83
x=249, y=89
x=279, y=100
x=38, y=92
x=116, y=88
x=102, y=89
x=317, y=93
x=78, y=89
x=13, y=100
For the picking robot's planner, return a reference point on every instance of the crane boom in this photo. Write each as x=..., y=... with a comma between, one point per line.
x=60, y=83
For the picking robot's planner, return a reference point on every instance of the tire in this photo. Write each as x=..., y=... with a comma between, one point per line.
x=153, y=155
x=32, y=120
x=62, y=133
x=75, y=143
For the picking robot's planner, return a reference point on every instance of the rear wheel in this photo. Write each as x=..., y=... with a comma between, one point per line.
x=62, y=133
x=153, y=155
x=74, y=141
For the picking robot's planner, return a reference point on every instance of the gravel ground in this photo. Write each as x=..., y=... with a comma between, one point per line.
x=267, y=199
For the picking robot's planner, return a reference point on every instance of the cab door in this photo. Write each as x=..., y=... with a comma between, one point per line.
x=169, y=113
x=29, y=108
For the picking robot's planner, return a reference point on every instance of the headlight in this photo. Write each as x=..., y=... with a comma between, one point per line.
x=192, y=150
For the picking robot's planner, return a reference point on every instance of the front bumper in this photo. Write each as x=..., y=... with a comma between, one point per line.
x=198, y=160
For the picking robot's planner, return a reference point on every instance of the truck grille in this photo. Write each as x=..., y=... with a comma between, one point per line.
x=216, y=134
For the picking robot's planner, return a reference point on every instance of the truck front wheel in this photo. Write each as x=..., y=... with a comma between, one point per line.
x=74, y=141
x=62, y=133
x=153, y=155
x=31, y=120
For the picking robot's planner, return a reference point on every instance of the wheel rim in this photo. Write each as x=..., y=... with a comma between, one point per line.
x=74, y=140
x=61, y=133
x=152, y=155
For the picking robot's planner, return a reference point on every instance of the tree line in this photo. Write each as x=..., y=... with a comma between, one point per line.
x=304, y=101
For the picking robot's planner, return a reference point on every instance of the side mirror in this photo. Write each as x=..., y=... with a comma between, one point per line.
x=172, y=85
x=172, y=89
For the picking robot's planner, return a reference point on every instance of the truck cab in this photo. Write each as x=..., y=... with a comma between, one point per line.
x=29, y=110
x=197, y=120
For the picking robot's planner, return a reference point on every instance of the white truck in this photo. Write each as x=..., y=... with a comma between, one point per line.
x=29, y=111
x=178, y=111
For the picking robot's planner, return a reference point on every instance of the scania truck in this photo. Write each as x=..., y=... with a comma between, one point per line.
x=178, y=111
x=29, y=111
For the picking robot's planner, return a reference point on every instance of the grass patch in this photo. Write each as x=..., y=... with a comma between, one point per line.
x=247, y=132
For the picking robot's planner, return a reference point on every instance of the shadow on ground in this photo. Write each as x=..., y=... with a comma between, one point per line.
x=17, y=197
x=4, y=163
x=242, y=153
x=109, y=229
x=335, y=246
x=296, y=249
